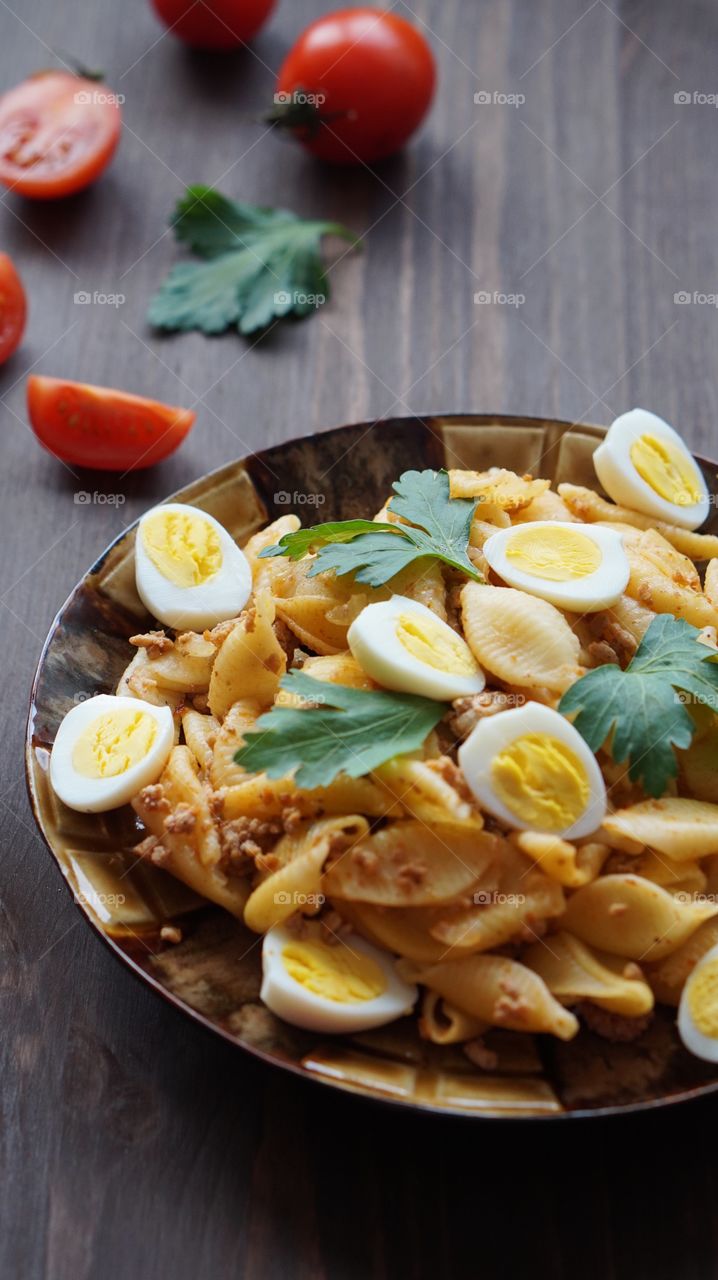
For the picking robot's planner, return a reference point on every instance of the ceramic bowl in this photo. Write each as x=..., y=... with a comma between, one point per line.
x=214, y=973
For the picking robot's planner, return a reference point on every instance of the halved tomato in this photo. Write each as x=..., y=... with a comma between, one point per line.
x=13, y=308
x=102, y=428
x=58, y=133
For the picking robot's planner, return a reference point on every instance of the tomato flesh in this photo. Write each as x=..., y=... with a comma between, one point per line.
x=214, y=24
x=102, y=428
x=13, y=308
x=58, y=133
x=372, y=75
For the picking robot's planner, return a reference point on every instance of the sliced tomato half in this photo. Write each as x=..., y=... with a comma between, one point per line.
x=13, y=308
x=102, y=428
x=58, y=133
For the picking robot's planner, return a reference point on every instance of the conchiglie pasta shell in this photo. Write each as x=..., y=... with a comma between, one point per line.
x=442, y=1023
x=250, y=662
x=519, y=638
x=240, y=719
x=573, y=971
x=632, y=917
x=496, y=990
x=524, y=896
x=296, y=885
x=408, y=864
x=397, y=929
x=680, y=828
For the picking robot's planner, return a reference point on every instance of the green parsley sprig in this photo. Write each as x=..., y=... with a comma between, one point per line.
x=436, y=525
x=339, y=730
x=638, y=712
x=260, y=265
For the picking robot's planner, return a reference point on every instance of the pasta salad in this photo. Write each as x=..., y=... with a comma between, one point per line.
x=456, y=760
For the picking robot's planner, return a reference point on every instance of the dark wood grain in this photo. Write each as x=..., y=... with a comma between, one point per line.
x=132, y=1144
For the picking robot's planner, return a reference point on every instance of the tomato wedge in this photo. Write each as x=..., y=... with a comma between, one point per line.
x=13, y=308
x=58, y=133
x=102, y=428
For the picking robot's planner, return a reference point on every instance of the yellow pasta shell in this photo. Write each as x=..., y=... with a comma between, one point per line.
x=498, y=991
x=519, y=638
x=408, y=864
x=680, y=828
x=573, y=971
x=629, y=916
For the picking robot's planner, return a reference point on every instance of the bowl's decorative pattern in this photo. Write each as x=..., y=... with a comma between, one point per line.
x=214, y=973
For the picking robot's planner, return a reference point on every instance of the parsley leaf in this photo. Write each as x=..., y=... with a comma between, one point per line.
x=349, y=731
x=261, y=265
x=639, y=708
x=438, y=526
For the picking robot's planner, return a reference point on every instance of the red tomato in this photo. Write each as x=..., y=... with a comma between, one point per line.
x=57, y=134
x=13, y=308
x=214, y=24
x=102, y=428
x=371, y=77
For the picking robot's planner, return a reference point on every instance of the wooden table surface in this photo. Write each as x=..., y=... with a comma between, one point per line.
x=132, y=1144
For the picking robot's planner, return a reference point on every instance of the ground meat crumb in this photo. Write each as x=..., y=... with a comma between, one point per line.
x=218, y=634
x=366, y=859
x=602, y=654
x=181, y=821
x=452, y=774
x=242, y=838
x=612, y=1026
x=170, y=933
x=466, y=712
x=412, y=873
x=291, y=819
x=155, y=642
x=477, y=1052
x=146, y=847
x=153, y=799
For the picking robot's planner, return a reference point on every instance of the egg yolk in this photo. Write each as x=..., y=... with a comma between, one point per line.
x=435, y=644
x=183, y=547
x=703, y=999
x=541, y=781
x=667, y=469
x=113, y=743
x=334, y=973
x=558, y=555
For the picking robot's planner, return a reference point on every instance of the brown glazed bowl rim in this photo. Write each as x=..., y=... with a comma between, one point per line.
x=365, y=1093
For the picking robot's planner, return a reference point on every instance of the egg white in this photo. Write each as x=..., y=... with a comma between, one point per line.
x=620, y=479
x=96, y=795
x=292, y=1002
x=494, y=733
x=597, y=590
x=373, y=641
x=222, y=596
x=703, y=1046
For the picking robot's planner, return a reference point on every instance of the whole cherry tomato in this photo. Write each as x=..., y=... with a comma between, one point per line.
x=58, y=133
x=214, y=24
x=356, y=85
x=13, y=308
x=102, y=428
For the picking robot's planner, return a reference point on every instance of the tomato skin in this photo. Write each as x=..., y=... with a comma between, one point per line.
x=13, y=308
x=374, y=70
x=102, y=428
x=58, y=133
x=214, y=24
